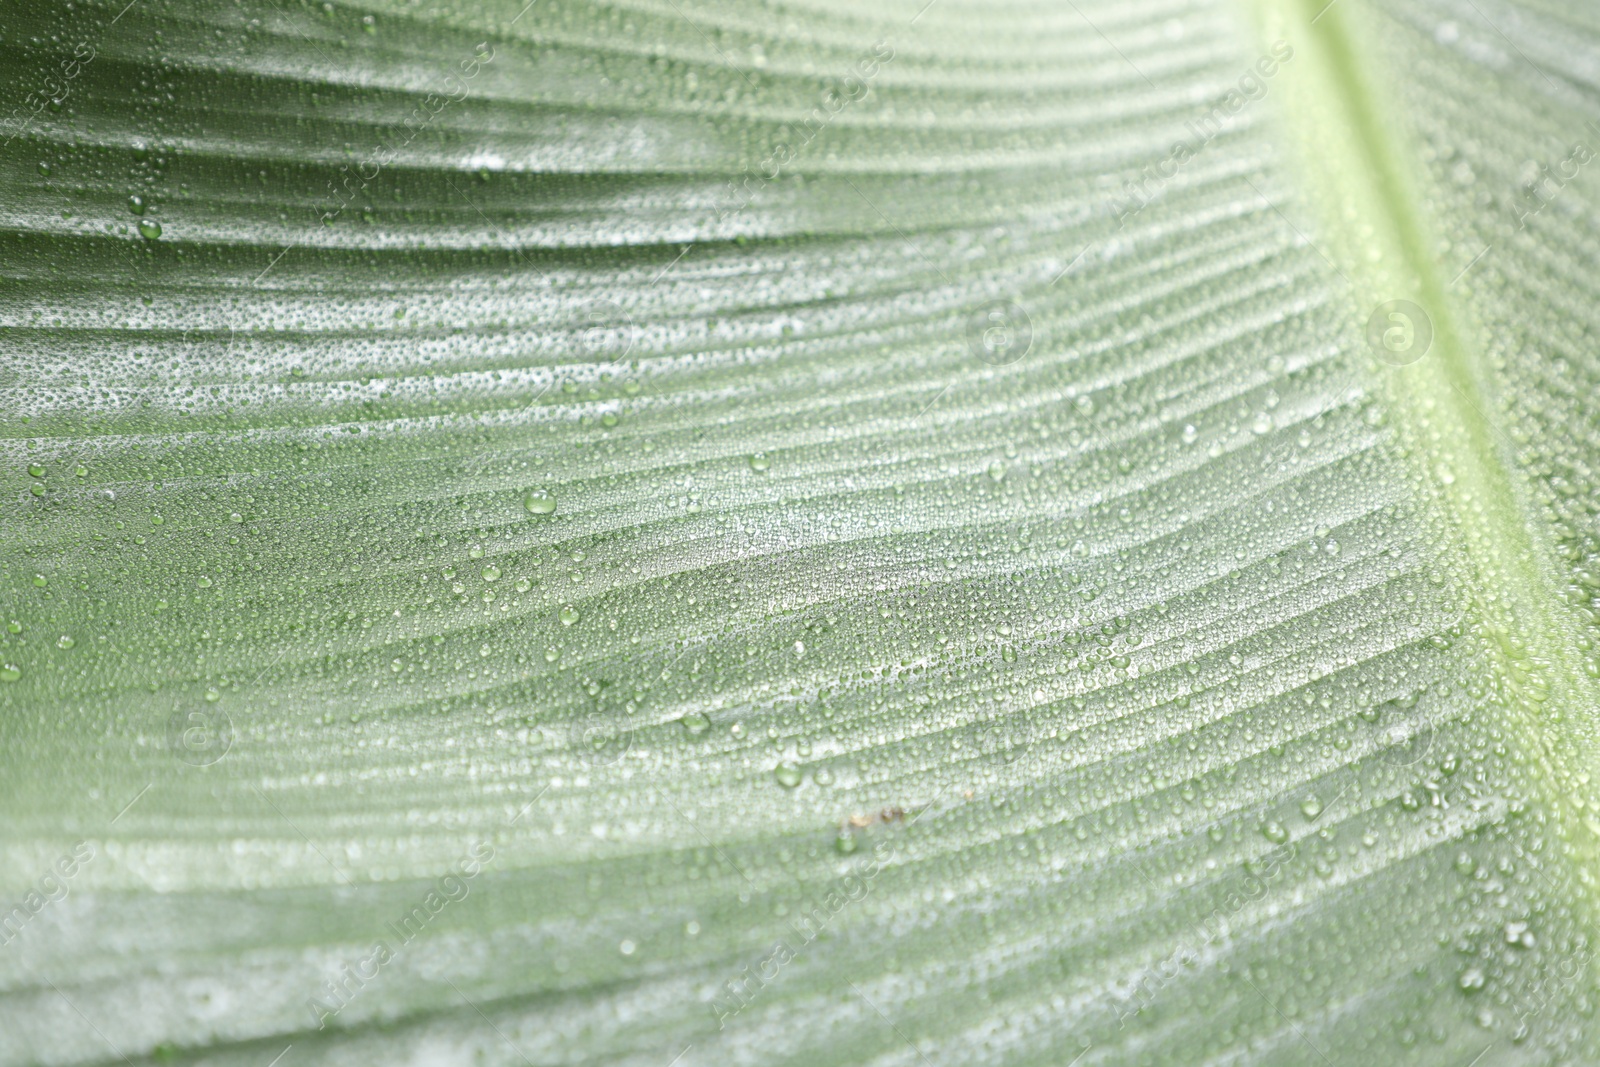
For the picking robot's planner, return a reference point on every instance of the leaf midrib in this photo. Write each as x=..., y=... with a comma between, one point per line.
x=1346, y=155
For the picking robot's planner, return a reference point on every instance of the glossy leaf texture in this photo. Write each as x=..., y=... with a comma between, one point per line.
x=695, y=532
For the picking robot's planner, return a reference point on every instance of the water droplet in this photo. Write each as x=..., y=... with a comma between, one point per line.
x=136, y=204
x=36, y=470
x=760, y=463
x=569, y=615
x=540, y=502
x=696, y=722
x=65, y=641
x=845, y=844
x=10, y=672
x=491, y=573
x=997, y=470
x=1310, y=807
x=149, y=229
x=1275, y=833
x=787, y=774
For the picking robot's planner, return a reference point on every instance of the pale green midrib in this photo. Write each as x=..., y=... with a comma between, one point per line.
x=1511, y=581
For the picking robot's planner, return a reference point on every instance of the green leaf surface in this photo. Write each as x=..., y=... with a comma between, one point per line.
x=807, y=532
